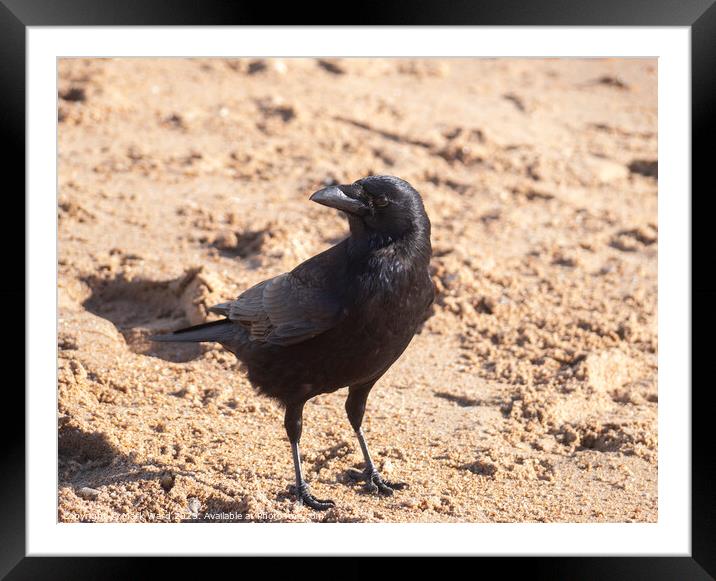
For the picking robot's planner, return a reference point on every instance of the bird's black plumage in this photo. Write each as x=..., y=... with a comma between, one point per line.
x=339, y=319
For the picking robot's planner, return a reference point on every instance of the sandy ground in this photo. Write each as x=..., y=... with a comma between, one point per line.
x=529, y=395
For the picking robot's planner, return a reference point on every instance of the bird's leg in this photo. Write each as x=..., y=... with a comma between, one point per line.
x=293, y=421
x=374, y=481
x=355, y=408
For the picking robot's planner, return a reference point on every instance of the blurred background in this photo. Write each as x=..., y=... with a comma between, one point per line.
x=530, y=394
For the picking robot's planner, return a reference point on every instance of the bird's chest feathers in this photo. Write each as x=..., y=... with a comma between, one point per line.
x=390, y=285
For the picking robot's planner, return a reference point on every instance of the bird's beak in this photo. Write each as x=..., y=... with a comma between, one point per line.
x=336, y=197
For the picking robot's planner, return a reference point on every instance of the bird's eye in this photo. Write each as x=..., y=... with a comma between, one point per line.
x=380, y=202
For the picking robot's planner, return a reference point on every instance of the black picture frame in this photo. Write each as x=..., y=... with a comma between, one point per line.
x=699, y=15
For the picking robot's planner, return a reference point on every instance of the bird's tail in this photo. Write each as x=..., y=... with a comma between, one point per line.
x=216, y=331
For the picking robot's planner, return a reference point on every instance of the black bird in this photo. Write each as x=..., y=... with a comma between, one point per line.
x=340, y=319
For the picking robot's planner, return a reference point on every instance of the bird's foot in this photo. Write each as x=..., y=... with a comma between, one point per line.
x=303, y=496
x=374, y=481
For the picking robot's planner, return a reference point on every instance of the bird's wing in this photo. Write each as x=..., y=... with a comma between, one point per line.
x=287, y=309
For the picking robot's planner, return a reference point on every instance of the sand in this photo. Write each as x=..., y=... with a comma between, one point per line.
x=530, y=395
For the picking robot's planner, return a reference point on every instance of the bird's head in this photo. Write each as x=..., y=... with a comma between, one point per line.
x=385, y=206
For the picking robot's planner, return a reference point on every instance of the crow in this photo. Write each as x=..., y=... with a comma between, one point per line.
x=339, y=319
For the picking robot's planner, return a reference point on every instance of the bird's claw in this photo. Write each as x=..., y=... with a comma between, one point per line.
x=374, y=481
x=303, y=496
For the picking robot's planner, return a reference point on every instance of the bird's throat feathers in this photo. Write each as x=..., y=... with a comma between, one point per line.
x=412, y=247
